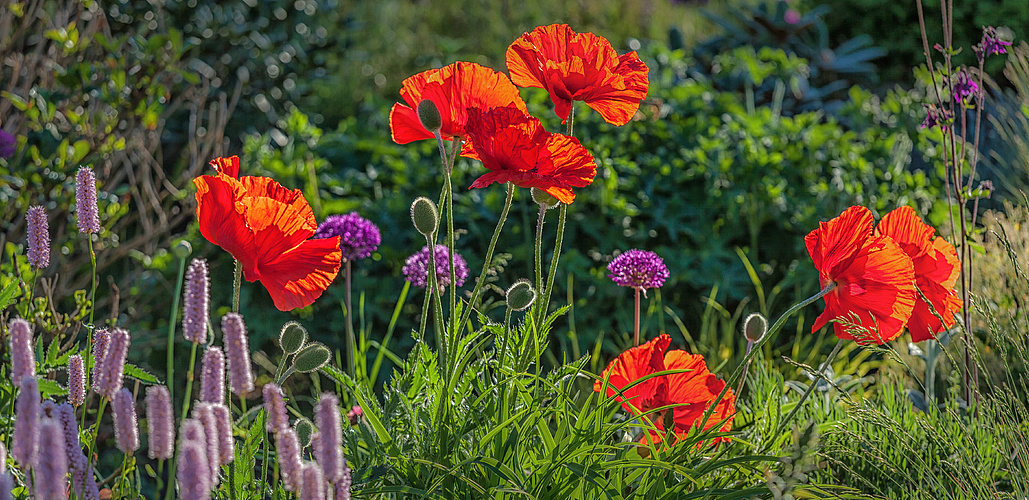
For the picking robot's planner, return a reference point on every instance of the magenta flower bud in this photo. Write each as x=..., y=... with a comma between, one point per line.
x=160, y=423
x=275, y=409
x=101, y=339
x=287, y=446
x=313, y=486
x=212, y=376
x=241, y=377
x=85, y=201
x=112, y=371
x=126, y=428
x=23, y=359
x=51, y=469
x=194, y=474
x=202, y=412
x=223, y=423
x=38, y=235
x=342, y=487
x=76, y=380
x=328, y=443
x=25, y=441
x=196, y=303
x=73, y=450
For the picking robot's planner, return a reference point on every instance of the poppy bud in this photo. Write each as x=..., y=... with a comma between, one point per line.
x=311, y=358
x=182, y=249
x=292, y=337
x=429, y=115
x=520, y=295
x=424, y=215
x=304, y=430
x=543, y=198
x=755, y=327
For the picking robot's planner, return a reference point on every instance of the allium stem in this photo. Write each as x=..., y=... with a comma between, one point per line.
x=636, y=321
x=351, y=342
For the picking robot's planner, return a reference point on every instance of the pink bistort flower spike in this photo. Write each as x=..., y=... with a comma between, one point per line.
x=202, y=413
x=112, y=371
x=276, y=419
x=196, y=303
x=287, y=446
x=194, y=473
x=313, y=487
x=85, y=201
x=223, y=424
x=212, y=376
x=23, y=360
x=160, y=423
x=241, y=376
x=73, y=450
x=38, y=236
x=52, y=467
x=25, y=440
x=126, y=427
x=328, y=443
x=101, y=339
x=76, y=380
x=342, y=487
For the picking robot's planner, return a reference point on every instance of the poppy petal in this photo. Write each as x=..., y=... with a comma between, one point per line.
x=220, y=214
x=298, y=277
x=228, y=166
x=907, y=229
x=839, y=239
x=632, y=365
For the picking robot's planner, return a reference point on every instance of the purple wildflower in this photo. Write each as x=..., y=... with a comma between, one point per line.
x=276, y=419
x=342, y=487
x=52, y=467
x=991, y=44
x=964, y=86
x=416, y=268
x=126, y=427
x=101, y=339
x=8, y=144
x=83, y=480
x=328, y=443
x=203, y=414
x=23, y=360
x=287, y=446
x=73, y=449
x=241, y=376
x=85, y=201
x=640, y=269
x=194, y=473
x=196, y=303
x=212, y=377
x=6, y=485
x=935, y=116
x=160, y=423
x=112, y=371
x=358, y=237
x=38, y=236
x=223, y=422
x=313, y=486
x=76, y=380
x=25, y=441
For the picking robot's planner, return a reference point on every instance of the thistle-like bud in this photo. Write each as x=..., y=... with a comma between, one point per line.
x=424, y=215
x=328, y=443
x=194, y=473
x=304, y=430
x=755, y=327
x=276, y=419
x=223, y=422
x=196, y=303
x=428, y=115
x=212, y=376
x=101, y=339
x=292, y=337
x=543, y=198
x=312, y=357
x=313, y=487
x=112, y=371
x=202, y=413
x=126, y=426
x=160, y=423
x=52, y=467
x=23, y=359
x=241, y=375
x=38, y=236
x=25, y=441
x=287, y=446
x=76, y=380
x=520, y=295
x=85, y=201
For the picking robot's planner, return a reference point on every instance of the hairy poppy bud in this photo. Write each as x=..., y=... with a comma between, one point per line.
x=311, y=358
x=543, y=198
x=182, y=249
x=520, y=295
x=429, y=115
x=304, y=430
x=424, y=215
x=292, y=337
x=755, y=327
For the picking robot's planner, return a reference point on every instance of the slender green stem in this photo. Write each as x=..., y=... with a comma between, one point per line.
x=161, y=484
x=189, y=382
x=96, y=425
x=562, y=218
x=539, y=248
x=450, y=234
x=351, y=343
x=489, y=255
x=92, y=288
x=434, y=289
x=425, y=314
x=120, y=487
x=636, y=320
x=810, y=388
x=743, y=378
x=172, y=321
x=236, y=283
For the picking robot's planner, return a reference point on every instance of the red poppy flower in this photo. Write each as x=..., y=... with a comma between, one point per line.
x=579, y=67
x=691, y=392
x=453, y=89
x=516, y=148
x=267, y=227
x=875, y=293
x=936, y=271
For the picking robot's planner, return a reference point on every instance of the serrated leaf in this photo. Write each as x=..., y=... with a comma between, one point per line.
x=51, y=388
x=8, y=294
x=135, y=372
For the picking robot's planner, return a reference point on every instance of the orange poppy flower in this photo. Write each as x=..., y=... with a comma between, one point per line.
x=875, y=292
x=267, y=227
x=579, y=67
x=936, y=271
x=453, y=89
x=516, y=148
x=691, y=392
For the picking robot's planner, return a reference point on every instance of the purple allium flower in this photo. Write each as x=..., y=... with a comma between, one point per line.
x=85, y=201
x=101, y=339
x=23, y=358
x=126, y=427
x=38, y=235
x=358, y=237
x=52, y=467
x=964, y=86
x=276, y=419
x=991, y=44
x=342, y=487
x=76, y=380
x=203, y=414
x=212, y=376
x=287, y=446
x=328, y=443
x=935, y=116
x=416, y=268
x=313, y=485
x=639, y=269
x=73, y=449
x=160, y=423
x=241, y=375
x=223, y=422
x=112, y=371
x=25, y=441
x=194, y=473
x=8, y=144
x=196, y=303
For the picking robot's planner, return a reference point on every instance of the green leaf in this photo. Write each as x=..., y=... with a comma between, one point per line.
x=8, y=294
x=51, y=388
x=133, y=371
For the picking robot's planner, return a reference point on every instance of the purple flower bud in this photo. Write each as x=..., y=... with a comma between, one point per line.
x=85, y=201
x=212, y=378
x=241, y=377
x=38, y=233
x=23, y=360
x=112, y=371
x=126, y=428
x=358, y=237
x=76, y=380
x=640, y=269
x=416, y=267
x=196, y=303
x=342, y=487
x=313, y=487
x=328, y=443
x=51, y=470
x=288, y=449
x=275, y=409
x=202, y=413
x=160, y=423
x=223, y=422
x=73, y=450
x=101, y=339
x=25, y=441
x=194, y=473
x=935, y=116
